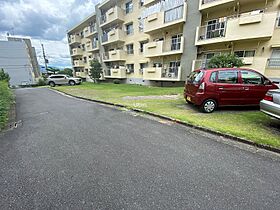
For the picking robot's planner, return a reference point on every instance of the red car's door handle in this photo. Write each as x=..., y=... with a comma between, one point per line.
x=246, y=88
x=221, y=88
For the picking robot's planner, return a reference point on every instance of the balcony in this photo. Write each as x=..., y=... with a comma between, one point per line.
x=244, y=27
x=162, y=74
x=92, y=47
x=165, y=19
x=113, y=16
x=164, y=48
x=116, y=73
x=76, y=52
x=113, y=36
x=81, y=74
x=215, y=4
x=114, y=55
x=78, y=63
x=74, y=39
x=148, y=2
x=90, y=31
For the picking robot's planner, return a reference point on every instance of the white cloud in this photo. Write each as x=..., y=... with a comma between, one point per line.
x=45, y=20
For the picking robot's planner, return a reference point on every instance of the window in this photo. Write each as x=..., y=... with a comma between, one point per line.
x=274, y=60
x=142, y=66
x=130, y=68
x=142, y=46
x=83, y=47
x=85, y=59
x=213, y=77
x=141, y=3
x=228, y=77
x=245, y=53
x=128, y=7
x=215, y=28
x=129, y=28
x=157, y=64
x=278, y=20
x=195, y=77
x=129, y=49
x=176, y=42
x=250, y=77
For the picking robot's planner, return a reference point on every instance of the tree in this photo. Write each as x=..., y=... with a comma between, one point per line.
x=67, y=71
x=53, y=69
x=95, y=70
x=225, y=61
x=4, y=76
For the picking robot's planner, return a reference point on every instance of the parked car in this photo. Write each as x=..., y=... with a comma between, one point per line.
x=61, y=79
x=212, y=88
x=270, y=105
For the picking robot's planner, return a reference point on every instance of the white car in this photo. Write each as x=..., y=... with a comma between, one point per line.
x=61, y=79
x=270, y=105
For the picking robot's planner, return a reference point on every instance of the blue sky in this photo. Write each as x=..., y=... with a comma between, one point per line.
x=46, y=22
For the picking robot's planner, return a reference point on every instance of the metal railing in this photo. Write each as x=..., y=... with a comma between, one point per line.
x=170, y=72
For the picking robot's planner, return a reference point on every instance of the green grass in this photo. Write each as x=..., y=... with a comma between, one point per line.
x=6, y=99
x=250, y=124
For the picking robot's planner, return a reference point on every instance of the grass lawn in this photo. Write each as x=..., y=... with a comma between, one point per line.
x=6, y=99
x=250, y=124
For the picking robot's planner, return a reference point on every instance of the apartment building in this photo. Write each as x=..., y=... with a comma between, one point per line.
x=18, y=58
x=249, y=29
x=139, y=41
x=159, y=42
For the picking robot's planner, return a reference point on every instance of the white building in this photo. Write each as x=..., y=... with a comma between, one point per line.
x=18, y=59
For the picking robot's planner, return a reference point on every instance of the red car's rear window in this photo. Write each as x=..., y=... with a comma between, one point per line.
x=195, y=77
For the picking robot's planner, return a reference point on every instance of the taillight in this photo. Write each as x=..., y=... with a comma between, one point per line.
x=268, y=97
x=201, y=87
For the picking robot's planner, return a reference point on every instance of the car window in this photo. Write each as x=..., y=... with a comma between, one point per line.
x=213, y=77
x=195, y=76
x=229, y=77
x=250, y=77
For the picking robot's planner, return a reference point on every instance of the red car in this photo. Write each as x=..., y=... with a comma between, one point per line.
x=212, y=88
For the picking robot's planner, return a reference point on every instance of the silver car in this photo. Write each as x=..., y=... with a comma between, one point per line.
x=270, y=105
x=61, y=79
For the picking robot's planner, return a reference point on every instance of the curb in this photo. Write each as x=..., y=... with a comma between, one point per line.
x=217, y=133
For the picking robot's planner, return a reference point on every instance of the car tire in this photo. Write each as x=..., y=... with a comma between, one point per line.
x=52, y=84
x=209, y=106
x=72, y=83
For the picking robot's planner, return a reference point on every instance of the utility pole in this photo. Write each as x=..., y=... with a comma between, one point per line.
x=45, y=59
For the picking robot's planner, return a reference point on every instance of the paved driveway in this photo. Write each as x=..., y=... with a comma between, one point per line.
x=72, y=154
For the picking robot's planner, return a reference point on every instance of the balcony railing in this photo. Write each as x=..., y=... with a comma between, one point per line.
x=252, y=25
x=115, y=35
x=161, y=48
x=273, y=62
x=114, y=14
x=116, y=72
x=161, y=73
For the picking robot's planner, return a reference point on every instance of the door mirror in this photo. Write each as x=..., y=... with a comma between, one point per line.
x=267, y=82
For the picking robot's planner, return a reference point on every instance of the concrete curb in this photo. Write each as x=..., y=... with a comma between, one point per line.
x=217, y=133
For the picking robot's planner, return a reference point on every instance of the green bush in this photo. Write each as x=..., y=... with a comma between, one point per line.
x=6, y=99
x=225, y=61
x=41, y=82
x=4, y=76
x=116, y=81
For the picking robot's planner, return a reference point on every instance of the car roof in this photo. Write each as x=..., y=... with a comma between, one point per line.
x=225, y=69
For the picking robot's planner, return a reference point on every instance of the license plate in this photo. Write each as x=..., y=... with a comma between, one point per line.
x=188, y=98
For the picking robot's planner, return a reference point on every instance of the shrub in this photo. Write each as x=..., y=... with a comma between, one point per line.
x=225, y=61
x=116, y=81
x=4, y=76
x=6, y=99
x=41, y=82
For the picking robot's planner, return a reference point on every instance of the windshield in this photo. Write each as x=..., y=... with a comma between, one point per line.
x=195, y=76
